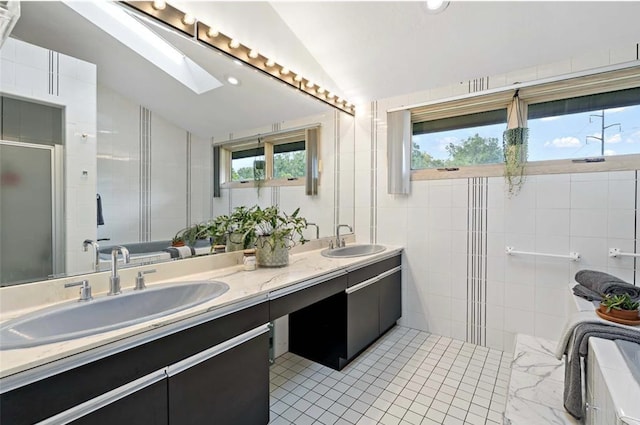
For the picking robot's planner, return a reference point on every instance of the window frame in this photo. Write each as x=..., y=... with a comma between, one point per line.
x=600, y=81
x=269, y=142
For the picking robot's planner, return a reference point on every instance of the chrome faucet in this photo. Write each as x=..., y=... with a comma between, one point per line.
x=96, y=248
x=114, y=280
x=341, y=243
x=85, y=290
x=317, y=229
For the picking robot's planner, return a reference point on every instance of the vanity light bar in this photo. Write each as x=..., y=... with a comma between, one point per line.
x=211, y=37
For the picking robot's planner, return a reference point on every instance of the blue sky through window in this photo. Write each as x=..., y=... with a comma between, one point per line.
x=558, y=137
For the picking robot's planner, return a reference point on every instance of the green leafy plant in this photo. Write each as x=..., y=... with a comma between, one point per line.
x=239, y=227
x=278, y=229
x=514, y=147
x=619, y=302
x=190, y=234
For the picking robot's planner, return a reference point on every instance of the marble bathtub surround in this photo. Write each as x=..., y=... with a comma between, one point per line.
x=245, y=288
x=536, y=386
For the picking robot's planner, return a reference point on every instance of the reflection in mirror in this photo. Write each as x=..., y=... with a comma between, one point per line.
x=144, y=143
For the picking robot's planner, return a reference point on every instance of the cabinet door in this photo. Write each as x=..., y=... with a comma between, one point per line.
x=147, y=406
x=229, y=384
x=390, y=300
x=362, y=318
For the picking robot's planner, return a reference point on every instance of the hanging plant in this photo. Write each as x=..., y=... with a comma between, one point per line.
x=259, y=170
x=514, y=148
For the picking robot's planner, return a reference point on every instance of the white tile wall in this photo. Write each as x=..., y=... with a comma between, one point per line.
x=588, y=213
x=24, y=72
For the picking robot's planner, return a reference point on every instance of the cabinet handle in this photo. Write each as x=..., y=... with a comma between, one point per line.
x=105, y=399
x=371, y=281
x=205, y=355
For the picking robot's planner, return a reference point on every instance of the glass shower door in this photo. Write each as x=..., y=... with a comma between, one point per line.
x=26, y=211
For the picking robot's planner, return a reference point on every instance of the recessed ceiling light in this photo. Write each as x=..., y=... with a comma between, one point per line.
x=233, y=81
x=436, y=6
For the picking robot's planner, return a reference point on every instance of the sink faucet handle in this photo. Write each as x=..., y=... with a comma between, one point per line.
x=140, y=284
x=85, y=289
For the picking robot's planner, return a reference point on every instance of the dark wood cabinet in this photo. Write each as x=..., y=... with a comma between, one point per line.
x=146, y=406
x=40, y=400
x=335, y=330
x=229, y=388
x=390, y=307
x=362, y=319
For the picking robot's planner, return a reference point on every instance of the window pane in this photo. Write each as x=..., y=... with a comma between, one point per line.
x=246, y=164
x=465, y=140
x=587, y=126
x=289, y=160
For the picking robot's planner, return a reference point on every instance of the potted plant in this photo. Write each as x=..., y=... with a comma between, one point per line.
x=189, y=235
x=177, y=240
x=620, y=307
x=236, y=230
x=276, y=232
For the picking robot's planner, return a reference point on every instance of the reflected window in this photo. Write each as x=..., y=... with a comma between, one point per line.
x=289, y=160
x=248, y=164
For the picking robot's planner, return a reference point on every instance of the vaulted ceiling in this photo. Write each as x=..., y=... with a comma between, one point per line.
x=360, y=50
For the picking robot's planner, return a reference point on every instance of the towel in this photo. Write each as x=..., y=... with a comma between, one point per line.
x=577, y=319
x=180, y=251
x=606, y=284
x=586, y=293
x=580, y=348
x=99, y=209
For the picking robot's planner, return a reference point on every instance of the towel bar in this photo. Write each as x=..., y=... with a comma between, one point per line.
x=573, y=256
x=615, y=252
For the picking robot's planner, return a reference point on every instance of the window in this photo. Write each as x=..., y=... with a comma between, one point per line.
x=601, y=124
x=579, y=117
x=281, y=158
x=247, y=164
x=289, y=160
x=457, y=141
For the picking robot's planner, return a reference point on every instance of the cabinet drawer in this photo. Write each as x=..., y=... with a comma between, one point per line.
x=360, y=275
x=99, y=377
x=295, y=301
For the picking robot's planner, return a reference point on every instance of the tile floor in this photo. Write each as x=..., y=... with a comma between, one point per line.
x=406, y=377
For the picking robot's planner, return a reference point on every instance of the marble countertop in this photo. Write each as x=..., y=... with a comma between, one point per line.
x=244, y=287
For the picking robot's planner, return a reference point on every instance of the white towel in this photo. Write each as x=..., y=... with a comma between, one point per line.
x=578, y=318
x=184, y=251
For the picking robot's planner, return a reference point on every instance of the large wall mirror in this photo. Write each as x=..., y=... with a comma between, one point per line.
x=148, y=153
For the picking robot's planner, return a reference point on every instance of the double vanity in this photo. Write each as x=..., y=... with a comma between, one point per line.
x=205, y=357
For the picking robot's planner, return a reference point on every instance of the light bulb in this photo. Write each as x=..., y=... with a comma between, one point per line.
x=297, y=78
x=284, y=71
x=188, y=19
x=212, y=33
x=159, y=4
x=309, y=84
x=234, y=44
x=320, y=90
x=436, y=6
x=330, y=95
x=269, y=63
x=253, y=53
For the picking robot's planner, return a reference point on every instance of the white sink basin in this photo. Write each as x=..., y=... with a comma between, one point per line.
x=353, y=251
x=78, y=319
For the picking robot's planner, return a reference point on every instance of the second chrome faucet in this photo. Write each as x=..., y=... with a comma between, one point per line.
x=114, y=280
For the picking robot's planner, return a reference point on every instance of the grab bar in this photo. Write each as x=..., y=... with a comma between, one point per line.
x=615, y=252
x=573, y=256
